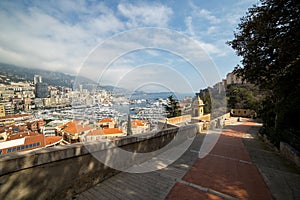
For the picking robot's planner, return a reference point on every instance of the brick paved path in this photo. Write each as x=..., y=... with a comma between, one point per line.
x=229, y=171
x=225, y=173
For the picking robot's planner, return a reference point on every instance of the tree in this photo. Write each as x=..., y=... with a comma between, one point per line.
x=204, y=94
x=172, y=108
x=244, y=96
x=268, y=42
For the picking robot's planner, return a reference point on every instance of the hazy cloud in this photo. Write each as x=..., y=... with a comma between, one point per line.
x=145, y=14
x=60, y=35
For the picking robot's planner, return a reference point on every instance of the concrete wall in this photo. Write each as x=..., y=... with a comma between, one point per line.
x=206, y=117
x=243, y=113
x=290, y=153
x=63, y=171
x=180, y=119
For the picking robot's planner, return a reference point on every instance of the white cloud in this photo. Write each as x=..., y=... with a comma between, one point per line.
x=33, y=37
x=58, y=35
x=208, y=16
x=145, y=14
x=188, y=23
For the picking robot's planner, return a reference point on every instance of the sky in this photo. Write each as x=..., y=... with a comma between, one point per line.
x=139, y=45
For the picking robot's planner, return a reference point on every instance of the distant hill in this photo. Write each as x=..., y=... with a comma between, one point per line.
x=17, y=73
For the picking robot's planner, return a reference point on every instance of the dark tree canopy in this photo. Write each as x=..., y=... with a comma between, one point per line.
x=204, y=94
x=172, y=108
x=268, y=42
x=244, y=96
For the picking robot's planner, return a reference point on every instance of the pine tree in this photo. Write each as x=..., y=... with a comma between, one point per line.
x=172, y=108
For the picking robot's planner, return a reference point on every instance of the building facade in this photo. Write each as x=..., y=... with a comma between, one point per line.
x=41, y=90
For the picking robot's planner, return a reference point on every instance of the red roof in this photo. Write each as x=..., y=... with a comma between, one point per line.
x=112, y=130
x=21, y=135
x=105, y=131
x=75, y=127
x=53, y=139
x=137, y=123
x=105, y=120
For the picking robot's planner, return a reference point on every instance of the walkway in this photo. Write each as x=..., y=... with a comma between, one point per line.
x=232, y=170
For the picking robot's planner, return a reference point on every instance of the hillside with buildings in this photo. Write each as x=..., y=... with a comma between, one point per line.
x=11, y=73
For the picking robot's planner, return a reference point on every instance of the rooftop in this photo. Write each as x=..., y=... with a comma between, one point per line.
x=105, y=131
x=21, y=135
x=137, y=122
x=105, y=120
x=52, y=140
x=74, y=127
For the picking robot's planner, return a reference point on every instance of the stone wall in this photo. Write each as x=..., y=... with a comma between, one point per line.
x=243, y=113
x=179, y=119
x=63, y=171
x=290, y=153
x=206, y=117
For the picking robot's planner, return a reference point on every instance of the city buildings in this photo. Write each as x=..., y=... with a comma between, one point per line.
x=37, y=115
x=102, y=134
x=28, y=140
x=41, y=90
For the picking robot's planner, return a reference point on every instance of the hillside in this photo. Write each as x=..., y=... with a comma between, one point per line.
x=17, y=73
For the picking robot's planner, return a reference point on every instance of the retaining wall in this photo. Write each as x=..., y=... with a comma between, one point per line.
x=63, y=171
x=290, y=153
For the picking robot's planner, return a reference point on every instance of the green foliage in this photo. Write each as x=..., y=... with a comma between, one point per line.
x=172, y=108
x=205, y=96
x=244, y=96
x=268, y=42
x=214, y=101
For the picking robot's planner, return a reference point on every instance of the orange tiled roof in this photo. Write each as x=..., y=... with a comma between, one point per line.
x=137, y=123
x=53, y=139
x=105, y=131
x=105, y=120
x=21, y=135
x=112, y=130
x=75, y=127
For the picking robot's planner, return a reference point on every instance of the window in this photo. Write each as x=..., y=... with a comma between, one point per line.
x=34, y=145
x=9, y=150
x=14, y=149
x=30, y=146
x=245, y=112
x=18, y=148
x=0, y=151
x=22, y=147
x=38, y=144
x=26, y=147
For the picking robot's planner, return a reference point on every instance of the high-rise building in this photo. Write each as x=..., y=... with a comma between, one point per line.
x=41, y=90
x=2, y=110
x=37, y=79
x=9, y=109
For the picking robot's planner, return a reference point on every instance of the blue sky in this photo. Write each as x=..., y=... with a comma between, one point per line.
x=62, y=36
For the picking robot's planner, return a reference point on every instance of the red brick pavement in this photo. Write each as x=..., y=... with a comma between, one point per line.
x=227, y=169
x=184, y=192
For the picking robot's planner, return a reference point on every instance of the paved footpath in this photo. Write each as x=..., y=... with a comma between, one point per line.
x=239, y=167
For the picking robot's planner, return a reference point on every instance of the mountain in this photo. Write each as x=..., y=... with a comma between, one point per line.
x=17, y=73
x=116, y=90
